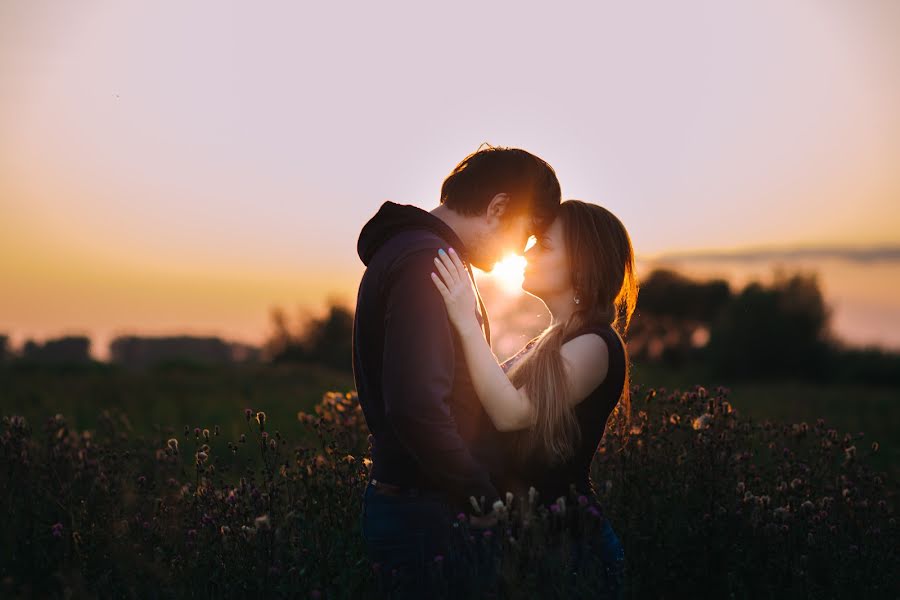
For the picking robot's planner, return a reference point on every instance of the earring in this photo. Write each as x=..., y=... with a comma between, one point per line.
x=577, y=299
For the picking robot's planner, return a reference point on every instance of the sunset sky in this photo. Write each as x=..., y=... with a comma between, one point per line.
x=184, y=166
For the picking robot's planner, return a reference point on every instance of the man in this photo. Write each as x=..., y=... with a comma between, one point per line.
x=433, y=446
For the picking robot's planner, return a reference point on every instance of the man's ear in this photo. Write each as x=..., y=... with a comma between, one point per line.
x=498, y=206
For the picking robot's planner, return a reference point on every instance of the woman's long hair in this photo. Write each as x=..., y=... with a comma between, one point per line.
x=601, y=261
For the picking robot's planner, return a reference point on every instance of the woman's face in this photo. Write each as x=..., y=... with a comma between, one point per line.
x=547, y=272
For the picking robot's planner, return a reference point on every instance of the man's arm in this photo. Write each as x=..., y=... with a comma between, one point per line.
x=417, y=380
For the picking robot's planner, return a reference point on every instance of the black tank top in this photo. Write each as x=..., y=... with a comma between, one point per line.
x=592, y=414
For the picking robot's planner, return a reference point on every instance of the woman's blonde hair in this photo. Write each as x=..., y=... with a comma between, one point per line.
x=601, y=261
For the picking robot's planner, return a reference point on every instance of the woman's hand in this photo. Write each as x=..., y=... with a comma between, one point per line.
x=456, y=288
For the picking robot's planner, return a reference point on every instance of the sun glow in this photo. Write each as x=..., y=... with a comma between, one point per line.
x=509, y=273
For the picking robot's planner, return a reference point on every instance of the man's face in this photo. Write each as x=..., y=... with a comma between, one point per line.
x=501, y=238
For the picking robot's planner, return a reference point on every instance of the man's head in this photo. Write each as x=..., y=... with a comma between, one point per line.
x=503, y=196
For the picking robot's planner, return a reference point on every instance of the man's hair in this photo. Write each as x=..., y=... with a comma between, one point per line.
x=530, y=182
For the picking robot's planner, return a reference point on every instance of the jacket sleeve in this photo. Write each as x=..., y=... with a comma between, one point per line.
x=417, y=380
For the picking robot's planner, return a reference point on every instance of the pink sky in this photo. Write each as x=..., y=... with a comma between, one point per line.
x=185, y=166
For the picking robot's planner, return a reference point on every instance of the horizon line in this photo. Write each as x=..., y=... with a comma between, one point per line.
x=861, y=254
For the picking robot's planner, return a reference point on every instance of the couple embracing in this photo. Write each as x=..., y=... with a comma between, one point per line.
x=448, y=421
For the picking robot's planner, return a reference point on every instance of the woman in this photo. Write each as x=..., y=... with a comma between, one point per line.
x=554, y=397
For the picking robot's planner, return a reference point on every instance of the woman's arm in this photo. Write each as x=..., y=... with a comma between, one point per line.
x=585, y=357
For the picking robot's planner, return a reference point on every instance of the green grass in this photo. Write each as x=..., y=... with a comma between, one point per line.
x=172, y=397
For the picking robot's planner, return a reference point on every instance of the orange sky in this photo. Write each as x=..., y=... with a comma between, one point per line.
x=184, y=167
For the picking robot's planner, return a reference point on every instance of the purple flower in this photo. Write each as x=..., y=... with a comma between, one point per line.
x=439, y=558
x=582, y=500
x=56, y=530
x=594, y=512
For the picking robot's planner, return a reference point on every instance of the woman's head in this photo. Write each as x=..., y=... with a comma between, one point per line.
x=584, y=254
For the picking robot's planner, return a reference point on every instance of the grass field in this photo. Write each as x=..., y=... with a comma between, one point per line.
x=852, y=408
x=167, y=399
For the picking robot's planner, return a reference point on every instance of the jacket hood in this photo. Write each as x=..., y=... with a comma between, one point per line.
x=393, y=218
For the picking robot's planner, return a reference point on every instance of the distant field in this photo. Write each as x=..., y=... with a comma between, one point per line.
x=171, y=397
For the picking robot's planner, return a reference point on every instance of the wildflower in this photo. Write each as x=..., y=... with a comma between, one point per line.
x=499, y=507
x=202, y=457
x=243, y=439
x=532, y=495
x=56, y=530
x=273, y=445
x=674, y=419
x=582, y=500
x=509, y=498
x=874, y=446
x=488, y=534
x=248, y=413
x=438, y=558
x=197, y=432
x=850, y=452
x=461, y=517
x=173, y=445
x=702, y=422
x=206, y=434
x=740, y=487
x=594, y=512
x=261, y=418
x=795, y=483
x=262, y=522
x=807, y=505
x=474, y=504
x=141, y=480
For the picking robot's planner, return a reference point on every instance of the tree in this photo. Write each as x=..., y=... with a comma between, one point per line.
x=777, y=331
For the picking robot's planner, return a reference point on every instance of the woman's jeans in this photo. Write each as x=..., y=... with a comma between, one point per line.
x=608, y=549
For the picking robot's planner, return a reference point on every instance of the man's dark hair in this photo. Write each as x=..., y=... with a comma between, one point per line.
x=530, y=182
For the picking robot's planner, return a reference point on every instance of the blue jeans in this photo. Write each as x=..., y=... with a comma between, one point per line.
x=408, y=541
